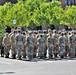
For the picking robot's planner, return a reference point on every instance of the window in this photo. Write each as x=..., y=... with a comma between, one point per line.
x=69, y=2
x=73, y=2
x=65, y=2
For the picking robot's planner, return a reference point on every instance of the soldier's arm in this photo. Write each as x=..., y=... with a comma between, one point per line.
x=3, y=42
x=47, y=42
x=38, y=41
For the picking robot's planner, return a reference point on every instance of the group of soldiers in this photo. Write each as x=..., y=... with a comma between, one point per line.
x=39, y=44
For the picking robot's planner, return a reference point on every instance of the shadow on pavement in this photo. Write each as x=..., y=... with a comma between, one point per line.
x=1, y=73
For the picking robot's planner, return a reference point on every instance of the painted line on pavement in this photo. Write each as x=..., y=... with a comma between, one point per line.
x=5, y=63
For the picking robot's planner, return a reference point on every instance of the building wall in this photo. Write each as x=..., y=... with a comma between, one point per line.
x=67, y=2
x=3, y=1
x=12, y=1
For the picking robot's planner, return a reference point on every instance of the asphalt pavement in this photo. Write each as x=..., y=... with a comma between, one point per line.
x=37, y=67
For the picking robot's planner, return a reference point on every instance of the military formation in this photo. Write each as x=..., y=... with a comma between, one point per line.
x=39, y=44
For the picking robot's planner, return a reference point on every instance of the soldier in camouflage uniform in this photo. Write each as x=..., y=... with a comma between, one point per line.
x=66, y=44
x=50, y=45
x=49, y=31
x=62, y=45
x=69, y=34
x=12, y=31
x=24, y=42
x=6, y=43
x=41, y=46
x=13, y=45
x=72, y=45
x=75, y=42
x=19, y=44
x=30, y=45
x=45, y=36
x=35, y=46
x=56, y=45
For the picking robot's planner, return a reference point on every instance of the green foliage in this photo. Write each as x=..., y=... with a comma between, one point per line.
x=31, y=13
x=69, y=16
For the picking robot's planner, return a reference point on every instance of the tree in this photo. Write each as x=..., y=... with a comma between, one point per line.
x=3, y=11
x=69, y=16
x=17, y=12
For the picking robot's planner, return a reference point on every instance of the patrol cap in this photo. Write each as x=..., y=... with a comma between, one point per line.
x=41, y=35
x=6, y=34
x=30, y=32
x=73, y=31
x=62, y=33
x=35, y=32
x=23, y=32
x=45, y=31
x=59, y=32
x=40, y=31
x=15, y=31
x=63, y=30
x=49, y=30
x=54, y=31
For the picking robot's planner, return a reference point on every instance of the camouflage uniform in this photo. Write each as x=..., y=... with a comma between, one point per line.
x=50, y=45
x=75, y=43
x=13, y=45
x=72, y=45
x=24, y=42
x=45, y=36
x=62, y=45
x=6, y=43
x=30, y=45
x=41, y=46
x=2, y=47
x=35, y=46
x=56, y=45
x=69, y=34
x=19, y=44
x=66, y=44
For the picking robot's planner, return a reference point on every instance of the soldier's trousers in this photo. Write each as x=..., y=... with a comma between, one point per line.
x=56, y=50
x=51, y=51
x=2, y=51
x=72, y=50
x=6, y=51
x=41, y=51
x=19, y=51
x=30, y=51
x=34, y=51
x=24, y=53
x=13, y=51
x=62, y=51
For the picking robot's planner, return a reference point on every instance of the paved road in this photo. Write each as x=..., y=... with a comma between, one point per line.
x=37, y=67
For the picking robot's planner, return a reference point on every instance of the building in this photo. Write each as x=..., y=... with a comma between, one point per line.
x=3, y=1
x=68, y=2
x=63, y=2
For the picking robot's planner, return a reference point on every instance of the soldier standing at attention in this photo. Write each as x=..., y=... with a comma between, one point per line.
x=7, y=44
x=56, y=45
x=45, y=36
x=72, y=45
x=62, y=45
x=41, y=46
x=66, y=44
x=35, y=46
x=50, y=45
x=24, y=42
x=75, y=43
x=13, y=45
x=30, y=46
x=19, y=44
